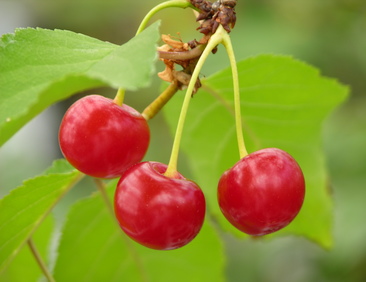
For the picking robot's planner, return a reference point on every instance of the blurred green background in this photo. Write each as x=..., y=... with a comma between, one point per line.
x=329, y=34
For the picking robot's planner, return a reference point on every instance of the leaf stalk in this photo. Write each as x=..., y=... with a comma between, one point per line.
x=42, y=265
x=102, y=188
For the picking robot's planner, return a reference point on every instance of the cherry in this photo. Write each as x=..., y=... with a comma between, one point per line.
x=101, y=138
x=157, y=211
x=263, y=192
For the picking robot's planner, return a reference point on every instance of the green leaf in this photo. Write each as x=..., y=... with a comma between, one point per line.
x=39, y=67
x=284, y=103
x=24, y=209
x=30, y=270
x=59, y=166
x=93, y=238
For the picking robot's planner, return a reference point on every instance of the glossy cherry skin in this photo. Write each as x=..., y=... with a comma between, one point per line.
x=263, y=192
x=101, y=138
x=156, y=211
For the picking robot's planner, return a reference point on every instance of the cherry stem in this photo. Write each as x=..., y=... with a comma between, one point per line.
x=226, y=41
x=151, y=110
x=40, y=261
x=168, y=4
x=215, y=39
x=120, y=96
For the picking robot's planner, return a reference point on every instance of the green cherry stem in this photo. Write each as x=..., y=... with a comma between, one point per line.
x=226, y=41
x=215, y=39
x=168, y=4
x=151, y=110
x=120, y=96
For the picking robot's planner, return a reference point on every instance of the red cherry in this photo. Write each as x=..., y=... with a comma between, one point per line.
x=102, y=139
x=156, y=211
x=263, y=192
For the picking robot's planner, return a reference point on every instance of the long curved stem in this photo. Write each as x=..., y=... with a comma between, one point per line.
x=226, y=41
x=168, y=4
x=173, y=162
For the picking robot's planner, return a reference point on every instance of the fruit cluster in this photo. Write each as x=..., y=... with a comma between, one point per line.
x=260, y=194
x=154, y=204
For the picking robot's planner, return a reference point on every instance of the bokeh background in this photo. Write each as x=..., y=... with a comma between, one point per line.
x=329, y=34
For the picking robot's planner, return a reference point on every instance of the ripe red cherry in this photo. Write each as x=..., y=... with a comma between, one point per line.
x=263, y=192
x=156, y=211
x=102, y=139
